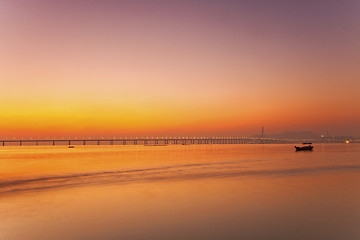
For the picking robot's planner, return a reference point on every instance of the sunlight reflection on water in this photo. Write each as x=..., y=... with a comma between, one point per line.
x=180, y=192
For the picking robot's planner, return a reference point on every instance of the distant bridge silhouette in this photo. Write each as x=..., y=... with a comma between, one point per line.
x=144, y=141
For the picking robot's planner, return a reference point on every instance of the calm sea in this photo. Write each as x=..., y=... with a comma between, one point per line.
x=180, y=192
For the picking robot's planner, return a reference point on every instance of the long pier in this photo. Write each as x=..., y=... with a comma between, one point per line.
x=142, y=141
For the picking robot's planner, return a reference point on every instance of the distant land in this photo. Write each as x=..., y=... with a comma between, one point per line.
x=292, y=135
x=301, y=135
x=297, y=135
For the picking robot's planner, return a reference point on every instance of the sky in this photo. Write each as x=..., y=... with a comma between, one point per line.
x=178, y=68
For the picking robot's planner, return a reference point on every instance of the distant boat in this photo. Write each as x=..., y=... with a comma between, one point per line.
x=305, y=147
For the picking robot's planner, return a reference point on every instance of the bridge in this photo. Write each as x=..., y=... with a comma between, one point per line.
x=147, y=141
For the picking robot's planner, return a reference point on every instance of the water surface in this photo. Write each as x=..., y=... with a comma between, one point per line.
x=180, y=192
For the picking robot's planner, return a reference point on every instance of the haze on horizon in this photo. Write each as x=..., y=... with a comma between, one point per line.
x=209, y=68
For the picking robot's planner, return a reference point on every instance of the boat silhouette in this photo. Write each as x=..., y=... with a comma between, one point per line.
x=305, y=147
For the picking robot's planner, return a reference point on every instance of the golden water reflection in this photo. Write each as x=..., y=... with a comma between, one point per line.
x=180, y=192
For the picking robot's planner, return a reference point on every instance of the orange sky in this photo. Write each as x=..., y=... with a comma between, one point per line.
x=178, y=68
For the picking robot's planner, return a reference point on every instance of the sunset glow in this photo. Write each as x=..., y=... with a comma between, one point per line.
x=159, y=68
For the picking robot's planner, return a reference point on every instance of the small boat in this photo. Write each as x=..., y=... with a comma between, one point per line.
x=305, y=147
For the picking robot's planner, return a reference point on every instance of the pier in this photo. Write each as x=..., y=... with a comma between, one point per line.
x=148, y=141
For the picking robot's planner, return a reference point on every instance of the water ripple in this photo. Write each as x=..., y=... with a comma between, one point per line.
x=175, y=172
